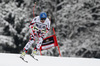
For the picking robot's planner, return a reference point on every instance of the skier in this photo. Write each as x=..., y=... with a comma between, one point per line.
x=39, y=27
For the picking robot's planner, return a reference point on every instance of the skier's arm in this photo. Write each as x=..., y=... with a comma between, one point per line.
x=32, y=23
x=45, y=31
x=48, y=26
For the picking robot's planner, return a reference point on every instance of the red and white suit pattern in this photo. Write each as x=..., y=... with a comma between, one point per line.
x=37, y=31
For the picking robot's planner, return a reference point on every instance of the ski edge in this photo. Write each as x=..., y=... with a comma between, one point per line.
x=33, y=57
x=24, y=60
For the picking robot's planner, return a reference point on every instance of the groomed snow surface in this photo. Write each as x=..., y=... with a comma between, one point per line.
x=14, y=60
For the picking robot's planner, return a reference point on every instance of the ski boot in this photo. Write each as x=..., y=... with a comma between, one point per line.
x=23, y=54
x=34, y=52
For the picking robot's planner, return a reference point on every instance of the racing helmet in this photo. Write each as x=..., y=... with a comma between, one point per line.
x=43, y=16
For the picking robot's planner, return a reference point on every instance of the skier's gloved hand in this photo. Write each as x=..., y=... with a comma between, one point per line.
x=43, y=31
x=35, y=28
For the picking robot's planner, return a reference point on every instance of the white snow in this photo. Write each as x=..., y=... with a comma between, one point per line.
x=14, y=60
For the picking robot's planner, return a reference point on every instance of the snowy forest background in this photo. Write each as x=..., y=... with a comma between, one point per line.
x=76, y=22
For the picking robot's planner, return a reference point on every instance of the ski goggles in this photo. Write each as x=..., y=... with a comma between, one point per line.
x=43, y=18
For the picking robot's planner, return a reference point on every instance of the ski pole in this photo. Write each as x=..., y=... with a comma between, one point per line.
x=33, y=9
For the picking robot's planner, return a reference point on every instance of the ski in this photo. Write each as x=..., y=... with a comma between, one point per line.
x=24, y=60
x=33, y=57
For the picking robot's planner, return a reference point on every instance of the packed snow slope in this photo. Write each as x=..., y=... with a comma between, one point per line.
x=14, y=60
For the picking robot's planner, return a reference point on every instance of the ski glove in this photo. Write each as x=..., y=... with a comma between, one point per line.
x=44, y=31
x=35, y=28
